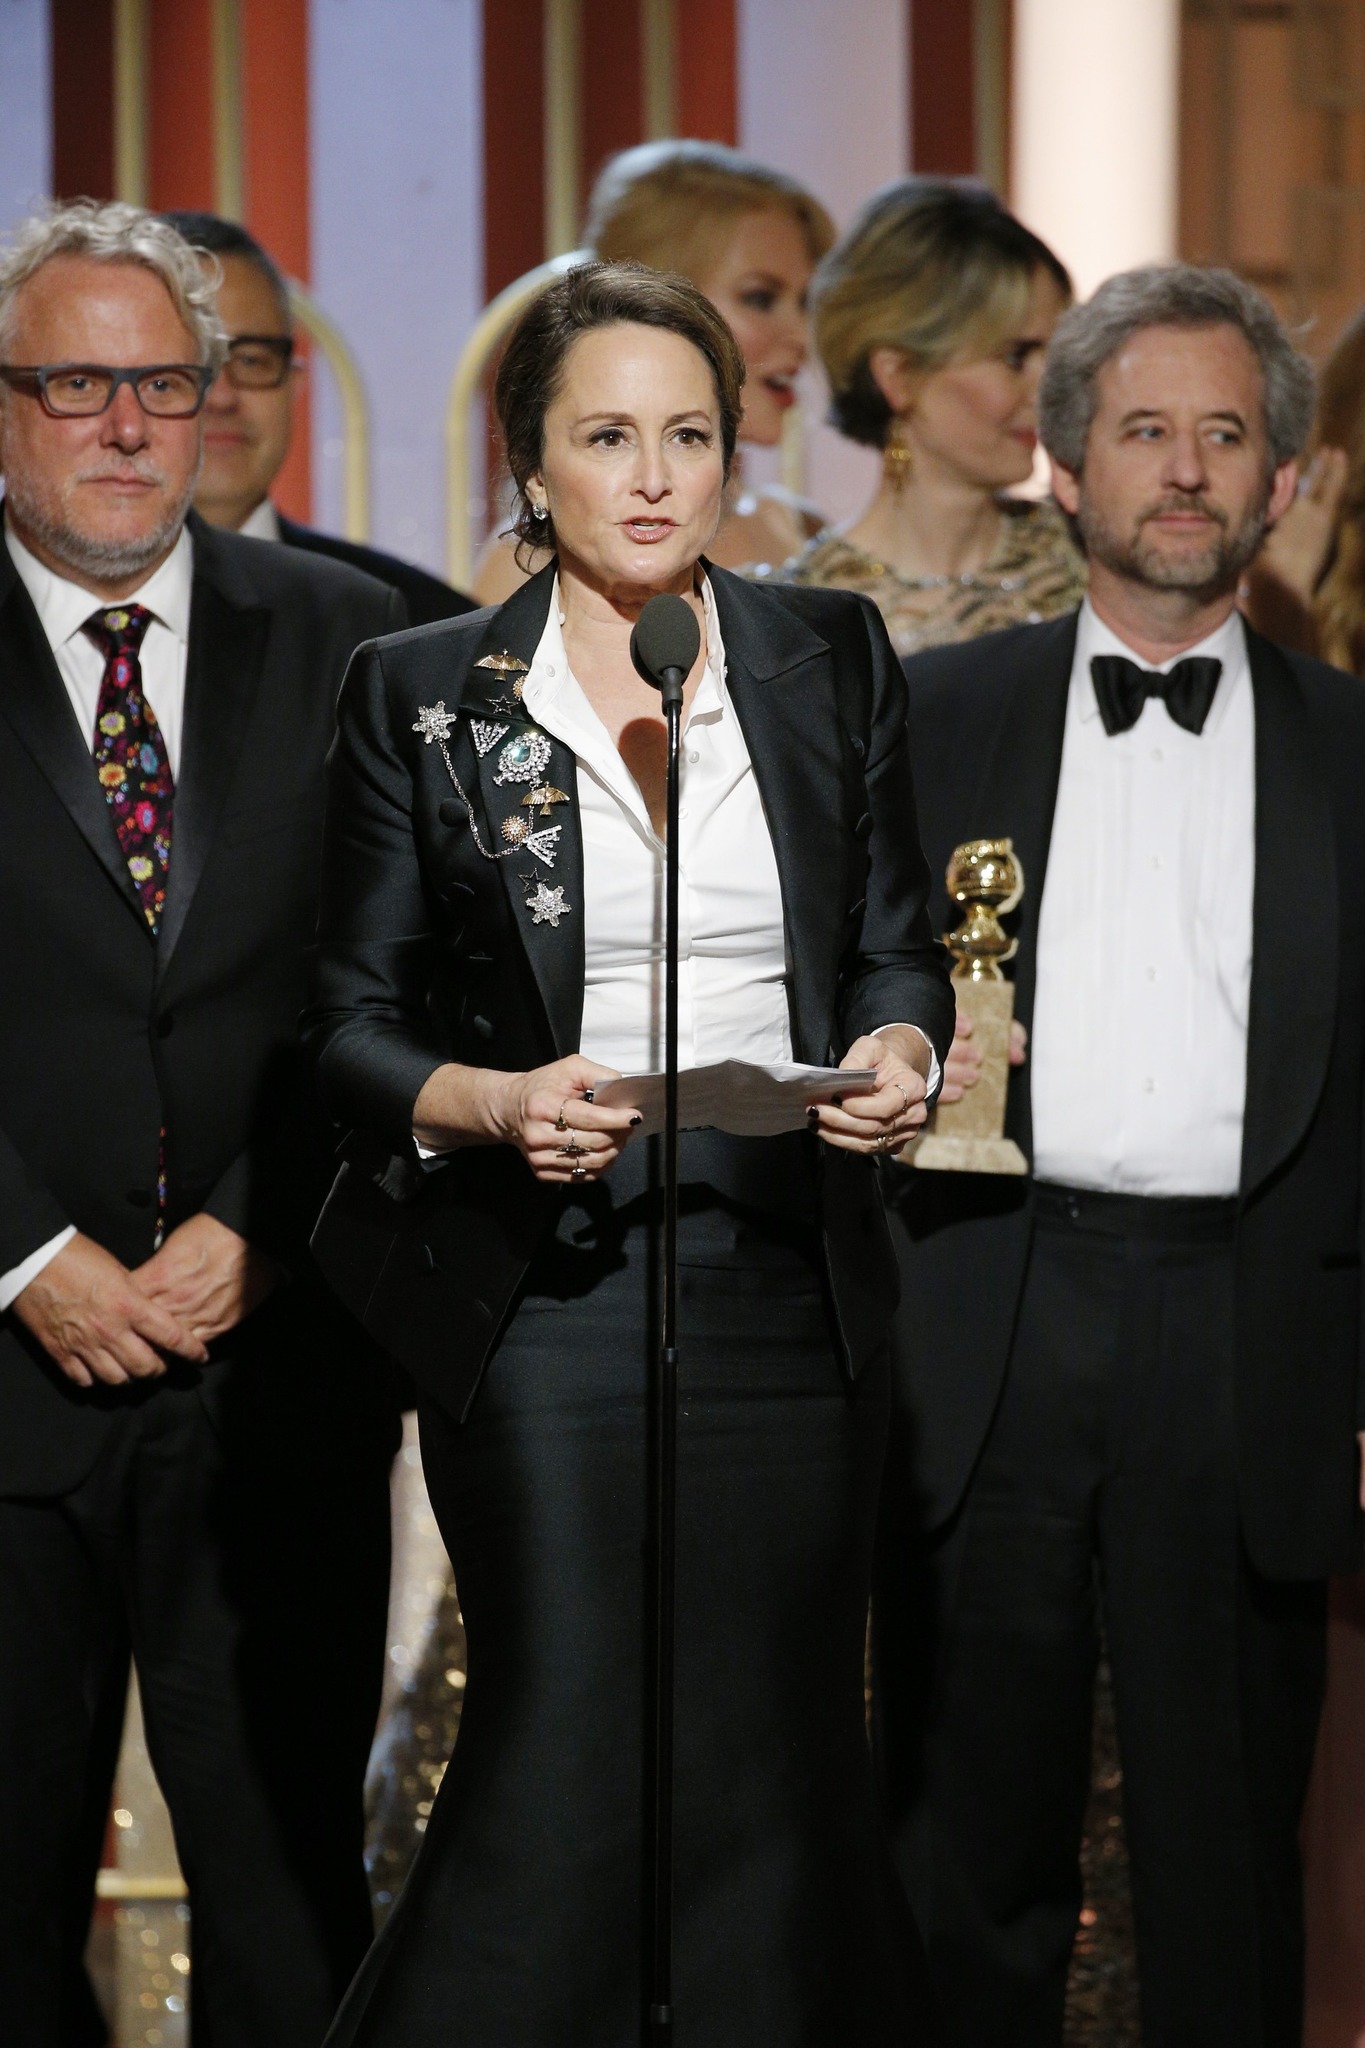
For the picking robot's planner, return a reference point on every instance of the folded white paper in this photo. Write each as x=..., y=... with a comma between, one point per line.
x=736, y=1095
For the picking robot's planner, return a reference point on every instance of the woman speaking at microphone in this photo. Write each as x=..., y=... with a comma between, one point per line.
x=490, y=949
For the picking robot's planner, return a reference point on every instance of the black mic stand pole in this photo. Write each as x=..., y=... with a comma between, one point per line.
x=666, y=1427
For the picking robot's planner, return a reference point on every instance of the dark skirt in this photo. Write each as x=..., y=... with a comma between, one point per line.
x=523, y=1923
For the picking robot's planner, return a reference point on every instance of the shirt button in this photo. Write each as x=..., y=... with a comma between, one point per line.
x=1149, y=1086
x=1157, y=861
x=1151, y=974
x=694, y=757
x=1157, y=754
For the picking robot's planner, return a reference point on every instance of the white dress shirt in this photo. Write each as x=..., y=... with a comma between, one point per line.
x=262, y=524
x=732, y=964
x=63, y=609
x=1138, y=1057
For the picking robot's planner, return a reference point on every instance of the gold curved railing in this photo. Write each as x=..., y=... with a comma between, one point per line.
x=489, y=329
x=355, y=412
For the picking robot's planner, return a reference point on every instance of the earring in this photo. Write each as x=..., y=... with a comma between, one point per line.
x=898, y=465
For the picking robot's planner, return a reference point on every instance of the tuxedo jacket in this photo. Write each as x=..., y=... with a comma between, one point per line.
x=424, y=596
x=987, y=720
x=107, y=1032
x=429, y=951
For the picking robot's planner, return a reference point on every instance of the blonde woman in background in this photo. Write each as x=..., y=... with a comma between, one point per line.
x=750, y=238
x=931, y=318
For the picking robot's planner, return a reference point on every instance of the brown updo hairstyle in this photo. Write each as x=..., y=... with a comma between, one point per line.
x=590, y=296
x=672, y=204
x=934, y=267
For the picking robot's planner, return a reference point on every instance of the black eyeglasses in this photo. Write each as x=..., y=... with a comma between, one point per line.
x=258, y=362
x=70, y=391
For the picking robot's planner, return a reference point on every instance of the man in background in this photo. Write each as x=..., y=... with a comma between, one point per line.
x=249, y=418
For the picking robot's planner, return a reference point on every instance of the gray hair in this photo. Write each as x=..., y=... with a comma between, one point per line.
x=1168, y=295
x=116, y=233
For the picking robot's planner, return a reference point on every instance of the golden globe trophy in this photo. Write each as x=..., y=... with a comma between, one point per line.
x=985, y=879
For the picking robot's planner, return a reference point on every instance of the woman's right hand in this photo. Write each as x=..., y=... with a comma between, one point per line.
x=483, y=1106
x=526, y=1110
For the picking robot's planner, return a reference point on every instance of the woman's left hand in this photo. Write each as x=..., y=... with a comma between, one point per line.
x=894, y=1113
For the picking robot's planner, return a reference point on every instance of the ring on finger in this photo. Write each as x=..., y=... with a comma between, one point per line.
x=579, y=1173
x=904, y=1097
x=560, y=1124
x=573, y=1150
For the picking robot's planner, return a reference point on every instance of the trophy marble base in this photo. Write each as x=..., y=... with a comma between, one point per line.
x=966, y=1136
x=935, y=1154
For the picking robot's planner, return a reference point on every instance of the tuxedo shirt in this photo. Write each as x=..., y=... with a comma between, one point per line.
x=63, y=609
x=1139, y=1042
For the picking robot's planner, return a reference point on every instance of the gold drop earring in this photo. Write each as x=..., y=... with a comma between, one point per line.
x=898, y=465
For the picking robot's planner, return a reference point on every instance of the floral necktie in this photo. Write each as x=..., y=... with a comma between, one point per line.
x=130, y=756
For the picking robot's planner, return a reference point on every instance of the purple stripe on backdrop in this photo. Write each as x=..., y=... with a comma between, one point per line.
x=25, y=108
x=397, y=239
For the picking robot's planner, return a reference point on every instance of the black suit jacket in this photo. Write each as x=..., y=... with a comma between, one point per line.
x=987, y=722
x=106, y=1031
x=427, y=952
x=425, y=597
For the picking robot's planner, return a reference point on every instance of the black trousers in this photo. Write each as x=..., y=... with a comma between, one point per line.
x=523, y=1922
x=240, y=1543
x=1107, y=1488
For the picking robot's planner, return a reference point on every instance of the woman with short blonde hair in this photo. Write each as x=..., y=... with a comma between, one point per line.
x=749, y=237
x=931, y=317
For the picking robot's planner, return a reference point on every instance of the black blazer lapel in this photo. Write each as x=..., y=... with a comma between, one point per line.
x=549, y=888
x=1017, y=796
x=1294, y=922
x=779, y=677
x=228, y=635
x=34, y=702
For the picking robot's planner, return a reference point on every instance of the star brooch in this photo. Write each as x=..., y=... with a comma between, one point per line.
x=434, y=722
x=546, y=905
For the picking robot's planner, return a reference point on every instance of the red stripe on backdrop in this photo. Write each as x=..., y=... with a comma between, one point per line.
x=708, y=92
x=611, y=76
x=180, y=163
x=276, y=148
x=942, y=104
x=82, y=61
x=513, y=140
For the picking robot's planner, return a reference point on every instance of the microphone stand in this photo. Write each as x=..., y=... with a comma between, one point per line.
x=666, y=1426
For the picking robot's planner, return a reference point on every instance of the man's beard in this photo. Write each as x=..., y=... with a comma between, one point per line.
x=97, y=559
x=1207, y=572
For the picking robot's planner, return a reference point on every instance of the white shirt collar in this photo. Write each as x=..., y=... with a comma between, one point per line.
x=63, y=607
x=553, y=696
x=1227, y=644
x=262, y=524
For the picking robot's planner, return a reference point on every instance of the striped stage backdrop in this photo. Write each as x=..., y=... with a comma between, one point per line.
x=407, y=159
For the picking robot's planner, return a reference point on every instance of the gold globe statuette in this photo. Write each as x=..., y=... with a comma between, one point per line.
x=986, y=880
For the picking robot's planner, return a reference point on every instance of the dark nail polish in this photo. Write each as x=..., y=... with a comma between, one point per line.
x=636, y=1121
x=837, y=1100
x=813, y=1114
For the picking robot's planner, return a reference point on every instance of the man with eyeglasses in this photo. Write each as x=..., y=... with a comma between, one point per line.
x=249, y=417
x=194, y=1445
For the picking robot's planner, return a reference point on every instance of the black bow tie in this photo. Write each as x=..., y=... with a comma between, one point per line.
x=1122, y=688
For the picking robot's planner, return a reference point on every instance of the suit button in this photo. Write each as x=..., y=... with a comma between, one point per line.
x=858, y=747
x=482, y=1027
x=165, y=1024
x=139, y=1198
x=450, y=812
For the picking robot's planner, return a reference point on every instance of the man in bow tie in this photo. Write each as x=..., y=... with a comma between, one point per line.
x=193, y=1443
x=1129, y=1384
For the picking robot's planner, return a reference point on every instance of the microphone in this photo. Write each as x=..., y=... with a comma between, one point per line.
x=664, y=645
